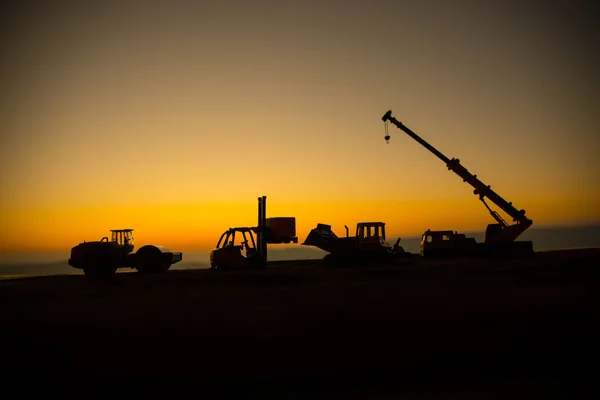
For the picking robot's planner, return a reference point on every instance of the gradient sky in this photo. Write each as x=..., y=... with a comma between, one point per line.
x=172, y=119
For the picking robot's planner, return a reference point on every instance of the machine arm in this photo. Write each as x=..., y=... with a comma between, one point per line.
x=481, y=189
x=388, y=117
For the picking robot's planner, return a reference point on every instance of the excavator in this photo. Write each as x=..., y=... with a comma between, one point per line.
x=500, y=237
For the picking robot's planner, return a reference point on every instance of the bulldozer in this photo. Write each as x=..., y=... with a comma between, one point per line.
x=104, y=257
x=368, y=246
x=237, y=248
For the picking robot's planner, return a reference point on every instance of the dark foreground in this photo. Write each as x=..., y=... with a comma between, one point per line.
x=461, y=328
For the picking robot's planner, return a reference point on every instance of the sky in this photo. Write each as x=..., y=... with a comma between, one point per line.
x=173, y=117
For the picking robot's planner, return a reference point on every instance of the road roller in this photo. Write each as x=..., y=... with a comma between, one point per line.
x=104, y=257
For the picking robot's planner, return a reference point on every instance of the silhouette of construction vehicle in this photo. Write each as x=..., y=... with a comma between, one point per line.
x=229, y=255
x=237, y=248
x=104, y=257
x=499, y=237
x=368, y=245
x=447, y=243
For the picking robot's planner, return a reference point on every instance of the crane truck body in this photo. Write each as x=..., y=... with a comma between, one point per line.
x=499, y=237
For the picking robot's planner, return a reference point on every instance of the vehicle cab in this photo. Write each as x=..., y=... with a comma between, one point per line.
x=371, y=234
x=434, y=241
x=123, y=238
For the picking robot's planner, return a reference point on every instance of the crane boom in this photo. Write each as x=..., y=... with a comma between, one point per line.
x=500, y=232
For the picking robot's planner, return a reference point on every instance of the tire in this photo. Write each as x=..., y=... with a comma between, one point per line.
x=99, y=266
x=152, y=269
x=150, y=260
x=99, y=273
x=329, y=261
x=337, y=261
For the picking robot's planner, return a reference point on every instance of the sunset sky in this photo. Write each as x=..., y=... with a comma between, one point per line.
x=173, y=119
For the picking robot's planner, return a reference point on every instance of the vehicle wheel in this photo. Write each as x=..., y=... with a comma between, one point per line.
x=150, y=260
x=98, y=273
x=99, y=269
x=332, y=261
x=152, y=269
x=99, y=264
x=258, y=265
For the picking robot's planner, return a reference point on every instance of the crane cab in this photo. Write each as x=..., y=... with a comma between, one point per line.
x=446, y=243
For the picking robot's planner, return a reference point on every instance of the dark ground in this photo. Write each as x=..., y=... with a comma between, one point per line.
x=463, y=328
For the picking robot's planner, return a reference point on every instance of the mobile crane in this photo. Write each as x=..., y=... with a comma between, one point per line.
x=500, y=236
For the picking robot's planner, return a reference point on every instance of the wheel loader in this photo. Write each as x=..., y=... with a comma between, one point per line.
x=104, y=257
x=368, y=246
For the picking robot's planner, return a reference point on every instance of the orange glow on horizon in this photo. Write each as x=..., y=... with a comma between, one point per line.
x=198, y=226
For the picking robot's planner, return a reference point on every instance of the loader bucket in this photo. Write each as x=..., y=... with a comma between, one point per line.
x=321, y=237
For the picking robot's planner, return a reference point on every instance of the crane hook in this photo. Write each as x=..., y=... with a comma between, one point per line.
x=387, y=135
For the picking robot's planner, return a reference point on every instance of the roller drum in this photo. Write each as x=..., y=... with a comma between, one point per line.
x=154, y=259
